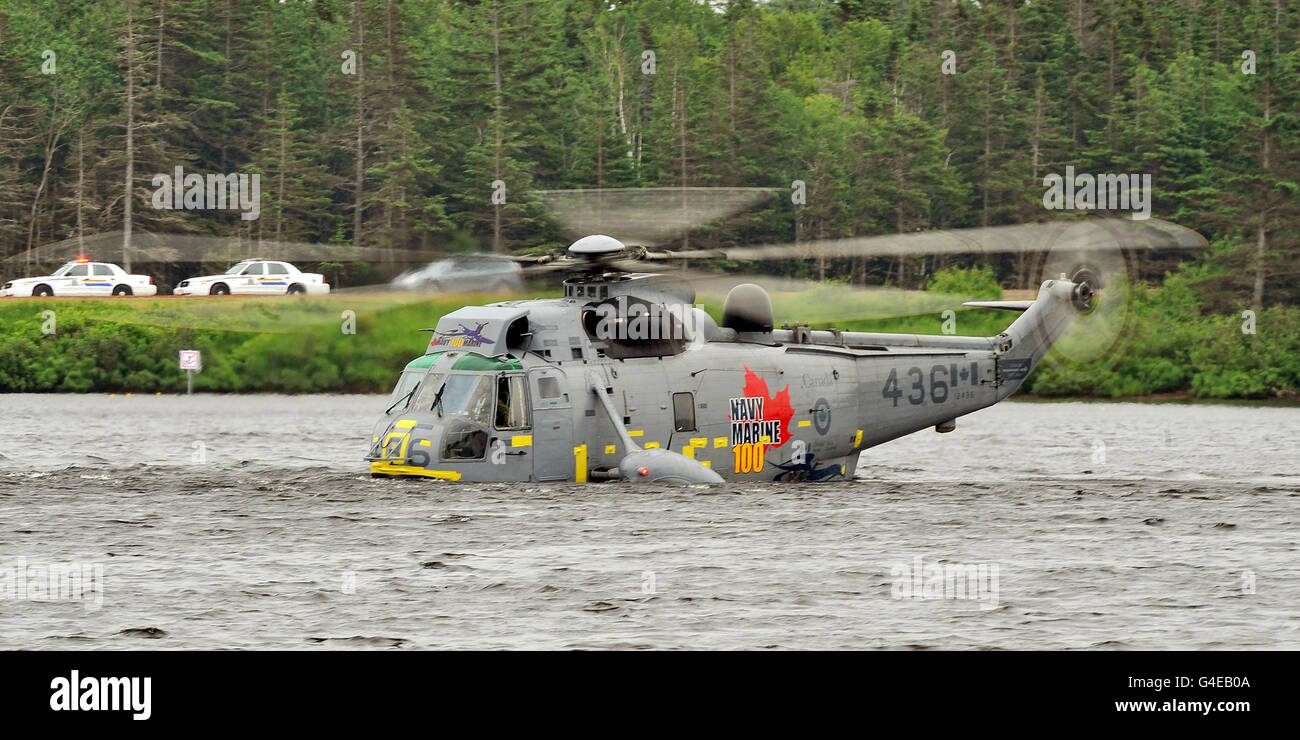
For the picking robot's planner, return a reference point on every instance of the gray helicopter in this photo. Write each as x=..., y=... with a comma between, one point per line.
x=624, y=378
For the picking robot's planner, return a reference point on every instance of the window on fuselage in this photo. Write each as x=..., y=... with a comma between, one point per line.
x=548, y=387
x=684, y=412
x=512, y=403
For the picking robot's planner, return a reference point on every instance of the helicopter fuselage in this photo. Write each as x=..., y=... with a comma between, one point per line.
x=519, y=398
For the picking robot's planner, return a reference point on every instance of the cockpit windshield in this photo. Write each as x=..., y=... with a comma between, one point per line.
x=468, y=396
x=405, y=386
x=424, y=400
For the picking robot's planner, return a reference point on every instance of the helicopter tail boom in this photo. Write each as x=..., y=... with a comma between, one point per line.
x=1029, y=338
x=1001, y=305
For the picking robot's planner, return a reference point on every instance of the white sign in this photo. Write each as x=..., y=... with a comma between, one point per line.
x=191, y=360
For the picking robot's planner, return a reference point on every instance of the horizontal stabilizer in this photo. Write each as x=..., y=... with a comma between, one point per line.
x=1003, y=305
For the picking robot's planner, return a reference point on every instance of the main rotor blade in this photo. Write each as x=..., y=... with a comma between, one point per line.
x=813, y=302
x=645, y=216
x=1085, y=234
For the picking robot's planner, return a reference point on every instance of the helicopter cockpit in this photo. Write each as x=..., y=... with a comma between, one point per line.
x=471, y=399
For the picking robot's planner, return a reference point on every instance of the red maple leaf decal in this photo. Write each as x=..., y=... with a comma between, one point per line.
x=774, y=407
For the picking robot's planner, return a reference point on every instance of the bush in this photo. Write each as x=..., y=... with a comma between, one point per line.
x=973, y=282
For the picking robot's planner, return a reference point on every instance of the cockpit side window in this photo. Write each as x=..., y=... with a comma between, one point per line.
x=469, y=396
x=464, y=441
x=512, y=403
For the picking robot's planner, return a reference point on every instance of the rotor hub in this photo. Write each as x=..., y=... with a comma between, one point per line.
x=596, y=245
x=1085, y=290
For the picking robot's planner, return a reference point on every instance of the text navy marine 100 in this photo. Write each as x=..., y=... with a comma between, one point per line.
x=573, y=389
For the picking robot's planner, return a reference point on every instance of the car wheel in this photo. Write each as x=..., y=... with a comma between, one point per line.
x=295, y=289
x=122, y=290
x=43, y=291
x=219, y=289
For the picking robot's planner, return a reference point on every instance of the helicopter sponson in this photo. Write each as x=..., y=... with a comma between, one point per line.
x=624, y=378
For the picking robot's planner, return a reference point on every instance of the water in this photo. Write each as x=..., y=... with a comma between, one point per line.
x=250, y=522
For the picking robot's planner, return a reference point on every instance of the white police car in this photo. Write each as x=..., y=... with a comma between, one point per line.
x=82, y=277
x=256, y=277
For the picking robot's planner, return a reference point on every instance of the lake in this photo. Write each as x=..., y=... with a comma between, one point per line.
x=251, y=522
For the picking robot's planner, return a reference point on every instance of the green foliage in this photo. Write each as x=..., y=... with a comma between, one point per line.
x=248, y=346
x=449, y=96
x=976, y=282
x=277, y=345
x=1173, y=348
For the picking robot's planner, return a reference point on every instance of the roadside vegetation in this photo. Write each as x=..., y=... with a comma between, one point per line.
x=249, y=345
x=1174, y=343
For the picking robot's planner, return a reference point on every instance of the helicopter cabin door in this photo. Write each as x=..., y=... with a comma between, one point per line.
x=553, y=455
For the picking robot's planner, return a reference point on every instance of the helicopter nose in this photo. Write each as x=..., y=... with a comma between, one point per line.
x=405, y=441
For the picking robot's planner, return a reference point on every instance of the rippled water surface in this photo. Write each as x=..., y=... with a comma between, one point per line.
x=250, y=522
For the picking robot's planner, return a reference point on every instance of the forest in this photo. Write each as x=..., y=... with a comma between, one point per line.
x=383, y=126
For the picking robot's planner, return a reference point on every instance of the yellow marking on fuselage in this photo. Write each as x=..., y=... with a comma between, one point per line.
x=651, y=445
x=521, y=440
x=636, y=433
x=611, y=449
x=857, y=439
x=580, y=463
x=719, y=441
x=405, y=437
x=805, y=423
x=388, y=468
x=699, y=441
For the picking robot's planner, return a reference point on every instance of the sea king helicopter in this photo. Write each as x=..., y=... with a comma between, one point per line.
x=623, y=377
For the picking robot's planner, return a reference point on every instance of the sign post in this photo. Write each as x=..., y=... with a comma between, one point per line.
x=191, y=362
